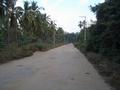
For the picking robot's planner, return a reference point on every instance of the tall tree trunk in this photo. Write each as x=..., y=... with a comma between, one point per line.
x=12, y=32
x=1, y=8
x=12, y=27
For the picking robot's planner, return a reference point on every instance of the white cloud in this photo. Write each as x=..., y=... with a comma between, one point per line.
x=45, y=1
x=102, y=1
x=19, y=3
x=66, y=18
x=84, y=1
x=59, y=1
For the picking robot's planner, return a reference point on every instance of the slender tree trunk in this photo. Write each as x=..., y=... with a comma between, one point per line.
x=12, y=30
x=12, y=26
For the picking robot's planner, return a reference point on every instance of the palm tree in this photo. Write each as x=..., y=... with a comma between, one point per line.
x=28, y=20
x=34, y=6
x=26, y=6
x=19, y=12
x=32, y=19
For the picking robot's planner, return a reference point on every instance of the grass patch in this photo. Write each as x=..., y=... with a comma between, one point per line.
x=13, y=52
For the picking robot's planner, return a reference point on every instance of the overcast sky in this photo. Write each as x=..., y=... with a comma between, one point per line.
x=66, y=13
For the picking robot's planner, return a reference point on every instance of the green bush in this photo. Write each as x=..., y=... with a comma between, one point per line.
x=42, y=46
x=14, y=52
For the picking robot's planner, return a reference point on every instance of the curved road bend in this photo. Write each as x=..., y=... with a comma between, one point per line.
x=62, y=68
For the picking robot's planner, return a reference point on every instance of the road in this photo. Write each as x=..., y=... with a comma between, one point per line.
x=62, y=68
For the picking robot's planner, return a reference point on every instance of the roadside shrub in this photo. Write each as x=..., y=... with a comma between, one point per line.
x=41, y=46
x=14, y=52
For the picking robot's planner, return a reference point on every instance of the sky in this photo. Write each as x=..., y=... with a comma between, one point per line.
x=67, y=13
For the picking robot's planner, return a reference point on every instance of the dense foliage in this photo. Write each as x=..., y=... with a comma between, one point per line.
x=102, y=46
x=24, y=25
x=103, y=36
x=24, y=30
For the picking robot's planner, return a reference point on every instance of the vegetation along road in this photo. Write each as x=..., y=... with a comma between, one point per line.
x=62, y=68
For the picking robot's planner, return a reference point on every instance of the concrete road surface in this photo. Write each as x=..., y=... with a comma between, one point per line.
x=62, y=68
